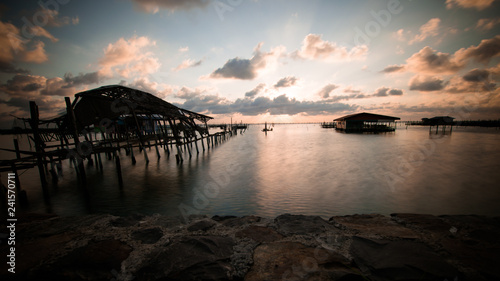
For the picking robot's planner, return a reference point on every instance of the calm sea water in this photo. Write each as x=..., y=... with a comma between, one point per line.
x=299, y=169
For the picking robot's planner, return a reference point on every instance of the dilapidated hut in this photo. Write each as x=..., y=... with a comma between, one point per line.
x=106, y=120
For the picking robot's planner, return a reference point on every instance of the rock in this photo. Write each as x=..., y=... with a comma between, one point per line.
x=191, y=258
x=125, y=222
x=202, y=225
x=259, y=234
x=399, y=260
x=299, y=224
x=433, y=225
x=222, y=218
x=148, y=235
x=375, y=226
x=295, y=261
x=169, y=221
x=95, y=261
x=235, y=222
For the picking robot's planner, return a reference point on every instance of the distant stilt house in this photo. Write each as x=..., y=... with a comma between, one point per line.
x=437, y=121
x=366, y=122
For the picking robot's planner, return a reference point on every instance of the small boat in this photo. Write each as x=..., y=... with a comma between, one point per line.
x=266, y=129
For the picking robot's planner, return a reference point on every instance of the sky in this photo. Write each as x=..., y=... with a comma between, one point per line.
x=255, y=60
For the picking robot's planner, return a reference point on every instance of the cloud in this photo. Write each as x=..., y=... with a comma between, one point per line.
x=53, y=19
x=183, y=49
x=7, y=67
x=286, y=82
x=426, y=83
x=15, y=48
x=255, y=91
x=23, y=85
x=160, y=90
x=82, y=79
x=326, y=90
x=429, y=29
x=36, y=55
x=41, y=32
x=355, y=94
x=393, y=68
x=315, y=48
x=187, y=93
x=281, y=105
x=187, y=64
x=484, y=52
x=476, y=75
x=20, y=89
x=429, y=61
x=349, y=89
x=127, y=57
x=154, y=6
x=474, y=81
x=248, y=69
x=487, y=24
x=384, y=92
x=469, y=4
x=400, y=35
x=57, y=87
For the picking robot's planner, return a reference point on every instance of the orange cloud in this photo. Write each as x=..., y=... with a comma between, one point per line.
x=487, y=24
x=36, y=55
x=125, y=57
x=187, y=64
x=469, y=4
x=315, y=48
x=428, y=61
x=429, y=29
x=154, y=6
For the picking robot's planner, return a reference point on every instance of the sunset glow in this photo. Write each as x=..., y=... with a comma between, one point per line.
x=256, y=61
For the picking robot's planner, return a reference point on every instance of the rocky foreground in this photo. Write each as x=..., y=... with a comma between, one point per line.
x=288, y=247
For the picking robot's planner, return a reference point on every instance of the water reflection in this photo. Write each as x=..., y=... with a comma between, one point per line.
x=296, y=169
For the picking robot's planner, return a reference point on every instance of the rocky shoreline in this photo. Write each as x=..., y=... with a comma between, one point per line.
x=288, y=247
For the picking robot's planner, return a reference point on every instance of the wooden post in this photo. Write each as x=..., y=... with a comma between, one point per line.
x=16, y=147
x=157, y=151
x=201, y=140
x=119, y=170
x=196, y=143
x=177, y=140
x=53, y=172
x=38, y=146
x=72, y=119
x=132, y=155
x=139, y=133
x=100, y=161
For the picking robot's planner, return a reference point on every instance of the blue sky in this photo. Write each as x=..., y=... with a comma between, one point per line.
x=255, y=61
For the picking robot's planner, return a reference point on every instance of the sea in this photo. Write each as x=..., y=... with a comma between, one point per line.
x=296, y=169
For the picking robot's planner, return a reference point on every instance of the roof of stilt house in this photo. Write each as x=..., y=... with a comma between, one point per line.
x=369, y=117
x=113, y=101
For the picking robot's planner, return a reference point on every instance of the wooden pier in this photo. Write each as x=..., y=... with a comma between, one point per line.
x=100, y=123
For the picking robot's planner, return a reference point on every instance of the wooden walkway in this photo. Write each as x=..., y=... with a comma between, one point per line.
x=91, y=129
